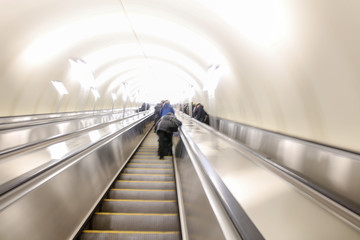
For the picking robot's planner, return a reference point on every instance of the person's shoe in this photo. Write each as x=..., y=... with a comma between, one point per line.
x=161, y=157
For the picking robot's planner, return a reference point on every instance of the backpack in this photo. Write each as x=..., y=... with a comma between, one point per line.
x=173, y=127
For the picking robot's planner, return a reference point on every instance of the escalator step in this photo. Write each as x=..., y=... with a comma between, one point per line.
x=148, y=170
x=151, y=161
x=128, y=235
x=151, y=157
x=146, y=177
x=146, y=154
x=125, y=184
x=149, y=165
x=148, y=194
x=135, y=221
x=139, y=206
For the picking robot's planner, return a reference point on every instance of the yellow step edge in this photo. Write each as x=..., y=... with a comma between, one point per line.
x=136, y=214
x=143, y=190
x=136, y=181
x=146, y=155
x=153, y=156
x=150, y=168
x=168, y=161
x=129, y=232
x=146, y=174
x=153, y=159
x=151, y=153
x=137, y=200
x=150, y=163
x=146, y=151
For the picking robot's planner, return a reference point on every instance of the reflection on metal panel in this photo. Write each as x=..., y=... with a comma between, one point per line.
x=18, y=134
x=21, y=164
x=55, y=204
x=279, y=206
x=336, y=172
x=200, y=218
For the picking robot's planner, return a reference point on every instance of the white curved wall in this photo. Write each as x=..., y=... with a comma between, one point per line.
x=289, y=67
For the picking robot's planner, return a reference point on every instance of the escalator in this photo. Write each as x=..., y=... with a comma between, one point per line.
x=142, y=202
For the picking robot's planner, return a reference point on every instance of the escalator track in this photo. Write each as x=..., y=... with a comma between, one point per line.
x=142, y=202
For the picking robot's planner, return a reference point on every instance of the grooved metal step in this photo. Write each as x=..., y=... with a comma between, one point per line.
x=150, y=165
x=149, y=170
x=150, y=161
x=141, y=205
x=146, y=177
x=151, y=194
x=129, y=235
x=131, y=184
x=136, y=221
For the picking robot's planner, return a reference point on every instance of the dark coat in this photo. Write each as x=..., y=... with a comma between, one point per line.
x=157, y=111
x=143, y=106
x=164, y=123
x=200, y=113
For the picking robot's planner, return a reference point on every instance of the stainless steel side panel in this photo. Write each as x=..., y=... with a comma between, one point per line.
x=200, y=218
x=18, y=134
x=280, y=207
x=55, y=205
x=334, y=170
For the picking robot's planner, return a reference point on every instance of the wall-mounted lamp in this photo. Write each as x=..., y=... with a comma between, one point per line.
x=60, y=88
x=114, y=97
x=212, y=68
x=81, y=72
x=124, y=96
x=124, y=87
x=95, y=93
x=212, y=77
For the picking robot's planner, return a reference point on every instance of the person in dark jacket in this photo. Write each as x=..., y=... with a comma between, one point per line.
x=157, y=111
x=164, y=129
x=143, y=107
x=200, y=114
x=166, y=108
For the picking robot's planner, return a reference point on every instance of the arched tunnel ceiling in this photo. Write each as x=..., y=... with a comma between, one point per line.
x=287, y=66
x=149, y=40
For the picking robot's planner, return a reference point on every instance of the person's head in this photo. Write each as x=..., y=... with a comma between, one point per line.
x=198, y=105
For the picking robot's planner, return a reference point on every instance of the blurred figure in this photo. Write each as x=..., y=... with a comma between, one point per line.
x=143, y=107
x=157, y=111
x=200, y=114
x=166, y=108
x=164, y=129
x=186, y=108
